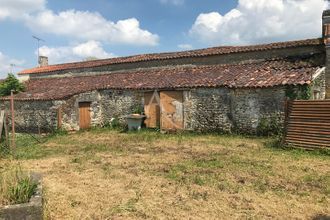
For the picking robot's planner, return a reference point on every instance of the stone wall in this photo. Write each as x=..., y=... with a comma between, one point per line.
x=70, y=109
x=326, y=38
x=33, y=116
x=105, y=105
x=232, y=110
x=118, y=104
x=250, y=106
x=319, y=86
x=207, y=110
x=327, y=72
x=42, y=116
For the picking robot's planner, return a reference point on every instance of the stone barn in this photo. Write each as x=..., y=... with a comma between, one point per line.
x=227, y=89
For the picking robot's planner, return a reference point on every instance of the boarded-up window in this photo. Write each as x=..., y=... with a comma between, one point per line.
x=152, y=109
x=171, y=110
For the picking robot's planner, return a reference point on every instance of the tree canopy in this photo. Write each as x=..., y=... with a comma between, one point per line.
x=10, y=83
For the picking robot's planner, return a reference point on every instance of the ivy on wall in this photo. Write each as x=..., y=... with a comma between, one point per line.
x=300, y=92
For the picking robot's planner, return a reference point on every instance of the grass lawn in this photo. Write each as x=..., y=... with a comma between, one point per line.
x=102, y=174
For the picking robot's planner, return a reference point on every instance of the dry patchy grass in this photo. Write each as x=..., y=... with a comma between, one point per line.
x=110, y=175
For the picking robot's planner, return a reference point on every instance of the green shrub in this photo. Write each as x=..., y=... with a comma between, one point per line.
x=300, y=92
x=10, y=83
x=114, y=123
x=269, y=126
x=16, y=187
x=59, y=132
x=138, y=109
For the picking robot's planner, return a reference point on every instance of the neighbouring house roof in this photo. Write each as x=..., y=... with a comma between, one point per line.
x=173, y=55
x=250, y=75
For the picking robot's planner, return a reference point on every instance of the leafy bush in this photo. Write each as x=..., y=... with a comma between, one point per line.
x=115, y=124
x=138, y=109
x=269, y=126
x=16, y=187
x=300, y=92
x=10, y=83
x=59, y=132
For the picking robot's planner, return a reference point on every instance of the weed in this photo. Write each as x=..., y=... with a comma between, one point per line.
x=270, y=126
x=16, y=187
x=58, y=132
x=129, y=206
x=199, y=195
x=114, y=123
x=209, y=163
x=198, y=180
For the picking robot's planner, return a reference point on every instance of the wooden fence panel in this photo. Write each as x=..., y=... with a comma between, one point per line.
x=308, y=124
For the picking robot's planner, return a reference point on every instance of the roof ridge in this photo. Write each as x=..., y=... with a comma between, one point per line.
x=178, y=68
x=171, y=55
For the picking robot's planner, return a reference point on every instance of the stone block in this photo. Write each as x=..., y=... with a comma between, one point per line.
x=33, y=210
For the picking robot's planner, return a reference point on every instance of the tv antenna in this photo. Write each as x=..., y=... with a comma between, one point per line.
x=12, y=65
x=38, y=40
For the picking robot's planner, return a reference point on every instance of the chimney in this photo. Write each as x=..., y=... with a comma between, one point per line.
x=326, y=38
x=43, y=61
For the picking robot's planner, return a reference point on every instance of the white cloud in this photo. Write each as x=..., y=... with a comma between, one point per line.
x=19, y=8
x=90, y=49
x=5, y=65
x=185, y=46
x=75, y=53
x=174, y=2
x=82, y=25
x=257, y=21
x=86, y=25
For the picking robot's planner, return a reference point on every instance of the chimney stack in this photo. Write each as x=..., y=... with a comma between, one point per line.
x=326, y=38
x=43, y=61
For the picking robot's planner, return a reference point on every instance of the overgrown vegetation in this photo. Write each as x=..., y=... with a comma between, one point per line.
x=137, y=109
x=114, y=124
x=270, y=126
x=300, y=92
x=104, y=173
x=9, y=84
x=16, y=186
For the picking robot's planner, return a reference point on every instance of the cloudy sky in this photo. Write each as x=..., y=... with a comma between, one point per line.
x=77, y=29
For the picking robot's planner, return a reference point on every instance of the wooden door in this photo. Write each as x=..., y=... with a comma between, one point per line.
x=171, y=110
x=84, y=115
x=152, y=109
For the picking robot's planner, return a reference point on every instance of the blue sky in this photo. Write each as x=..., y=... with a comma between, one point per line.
x=77, y=29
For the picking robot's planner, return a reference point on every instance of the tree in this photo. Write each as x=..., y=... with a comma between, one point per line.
x=10, y=83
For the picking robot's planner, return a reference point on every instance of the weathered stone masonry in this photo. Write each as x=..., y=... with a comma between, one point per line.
x=205, y=109
x=34, y=116
x=230, y=110
x=105, y=105
x=42, y=116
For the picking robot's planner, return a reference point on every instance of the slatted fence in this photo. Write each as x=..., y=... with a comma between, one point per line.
x=308, y=124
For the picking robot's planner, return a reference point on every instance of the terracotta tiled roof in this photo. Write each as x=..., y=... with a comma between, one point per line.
x=251, y=75
x=173, y=55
